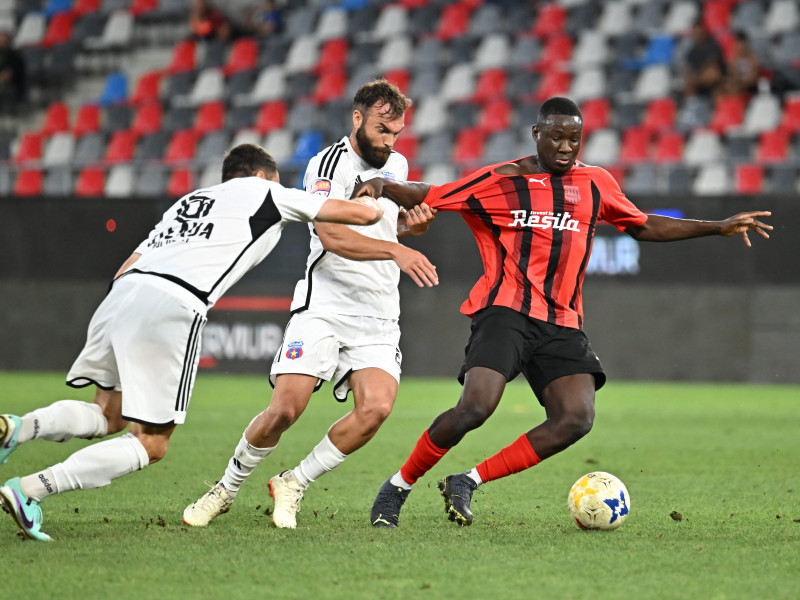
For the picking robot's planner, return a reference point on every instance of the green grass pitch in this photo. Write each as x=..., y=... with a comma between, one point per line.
x=712, y=472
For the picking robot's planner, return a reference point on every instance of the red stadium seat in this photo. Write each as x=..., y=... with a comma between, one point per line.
x=454, y=21
x=491, y=84
x=468, y=150
x=148, y=119
x=87, y=120
x=407, y=145
x=30, y=148
x=83, y=7
x=660, y=114
x=400, y=77
x=332, y=56
x=147, y=88
x=56, y=118
x=181, y=147
x=790, y=121
x=773, y=146
x=91, y=182
x=495, y=116
x=557, y=51
x=121, y=147
x=596, y=114
x=210, y=117
x=669, y=147
x=717, y=15
x=271, y=116
x=180, y=183
x=554, y=83
x=635, y=145
x=141, y=7
x=749, y=179
x=183, y=57
x=550, y=21
x=29, y=183
x=331, y=85
x=618, y=173
x=59, y=30
x=415, y=174
x=243, y=56
x=728, y=113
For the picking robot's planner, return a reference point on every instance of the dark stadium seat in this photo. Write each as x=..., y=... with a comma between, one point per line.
x=89, y=149
x=151, y=182
x=117, y=117
x=151, y=147
x=782, y=179
x=211, y=148
x=177, y=118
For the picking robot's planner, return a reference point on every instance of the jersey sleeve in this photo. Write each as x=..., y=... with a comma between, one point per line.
x=453, y=196
x=297, y=205
x=326, y=187
x=615, y=208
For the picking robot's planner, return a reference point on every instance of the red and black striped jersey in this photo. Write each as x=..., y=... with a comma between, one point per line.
x=534, y=234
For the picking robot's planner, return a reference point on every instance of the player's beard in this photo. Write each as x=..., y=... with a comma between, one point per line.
x=373, y=156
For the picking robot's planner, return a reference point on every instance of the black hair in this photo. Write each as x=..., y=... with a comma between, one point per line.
x=384, y=92
x=558, y=105
x=245, y=160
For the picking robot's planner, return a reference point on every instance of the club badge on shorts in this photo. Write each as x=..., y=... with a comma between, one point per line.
x=295, y=350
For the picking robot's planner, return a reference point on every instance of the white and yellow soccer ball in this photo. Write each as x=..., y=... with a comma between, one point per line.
x=599, y=500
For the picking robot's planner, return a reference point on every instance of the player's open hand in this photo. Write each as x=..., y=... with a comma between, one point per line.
x=746, y=222
x=416, y=265
x=418, y=219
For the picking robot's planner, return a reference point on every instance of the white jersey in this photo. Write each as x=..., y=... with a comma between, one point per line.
x=211, y=237
x=338, y=285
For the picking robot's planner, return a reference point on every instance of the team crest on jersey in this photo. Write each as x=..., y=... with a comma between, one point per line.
x=321, y=187
x=572, y=194
x=295, y=350
x=388, y=175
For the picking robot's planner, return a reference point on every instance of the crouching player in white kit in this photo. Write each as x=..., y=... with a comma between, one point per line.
x=344, y=324
x=143, y=340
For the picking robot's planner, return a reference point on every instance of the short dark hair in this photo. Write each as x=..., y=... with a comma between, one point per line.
x=382, y=91
x=245, y=160
x=558, y=105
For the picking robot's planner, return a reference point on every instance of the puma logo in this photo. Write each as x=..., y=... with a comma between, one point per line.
x=534, y=180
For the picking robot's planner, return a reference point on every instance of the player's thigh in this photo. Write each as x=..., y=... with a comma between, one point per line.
x=96, y=364
x=498, y=341
x=374, y=390
x=370, y=352
x=310, y=347
x=291, y=394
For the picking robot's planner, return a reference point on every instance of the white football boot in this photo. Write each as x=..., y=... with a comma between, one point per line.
x=287, y=493
x=214, y=502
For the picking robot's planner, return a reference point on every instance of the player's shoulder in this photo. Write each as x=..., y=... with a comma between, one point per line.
x=593, y=172
x=328, y=161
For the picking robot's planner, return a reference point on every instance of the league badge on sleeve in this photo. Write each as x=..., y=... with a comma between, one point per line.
x=321, y=187
x=295, y=350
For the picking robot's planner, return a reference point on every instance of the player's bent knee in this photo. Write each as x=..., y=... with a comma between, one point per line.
x=472, y=418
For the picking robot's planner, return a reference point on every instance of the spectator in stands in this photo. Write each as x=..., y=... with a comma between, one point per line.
x=743, y=68
x=704, y=65
x=208, y=23
x=265, y=19
x=12, y=74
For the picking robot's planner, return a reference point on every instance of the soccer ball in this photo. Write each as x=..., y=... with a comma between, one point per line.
x=599, y=501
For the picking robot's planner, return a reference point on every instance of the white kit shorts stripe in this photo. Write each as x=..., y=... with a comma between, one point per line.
x=144, y=339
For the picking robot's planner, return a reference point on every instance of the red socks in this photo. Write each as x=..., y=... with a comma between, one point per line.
x=423, y=457
x=512, y=459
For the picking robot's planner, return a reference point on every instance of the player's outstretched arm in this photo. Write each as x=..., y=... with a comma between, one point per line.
x=362, y=210
x=404, y=193
x=666, y=229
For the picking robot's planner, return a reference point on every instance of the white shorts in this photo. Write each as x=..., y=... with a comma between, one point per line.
x=333, y=346
x=144, y=339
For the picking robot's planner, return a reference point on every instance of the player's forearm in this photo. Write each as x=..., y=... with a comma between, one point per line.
x=666, y=229
x=352, y=245
x=405, y=193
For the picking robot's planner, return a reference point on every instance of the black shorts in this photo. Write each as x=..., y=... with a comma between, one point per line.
x=511, y=343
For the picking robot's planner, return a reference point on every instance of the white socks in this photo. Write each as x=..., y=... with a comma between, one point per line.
x=91, y=467
x=398, y=481
x=323, y=458
x=245, y=458
x=62, y=421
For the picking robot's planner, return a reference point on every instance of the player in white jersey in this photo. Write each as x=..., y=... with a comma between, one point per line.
x=345, y=312
x=142, y=347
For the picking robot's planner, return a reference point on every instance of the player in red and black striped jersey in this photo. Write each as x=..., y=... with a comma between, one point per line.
x=533, y=219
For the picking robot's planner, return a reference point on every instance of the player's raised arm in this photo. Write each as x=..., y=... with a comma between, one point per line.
x=362, y=210
x=404, y=193
x=658, y=228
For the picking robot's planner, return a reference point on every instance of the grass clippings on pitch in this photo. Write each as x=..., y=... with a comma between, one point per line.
x=711, y=469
